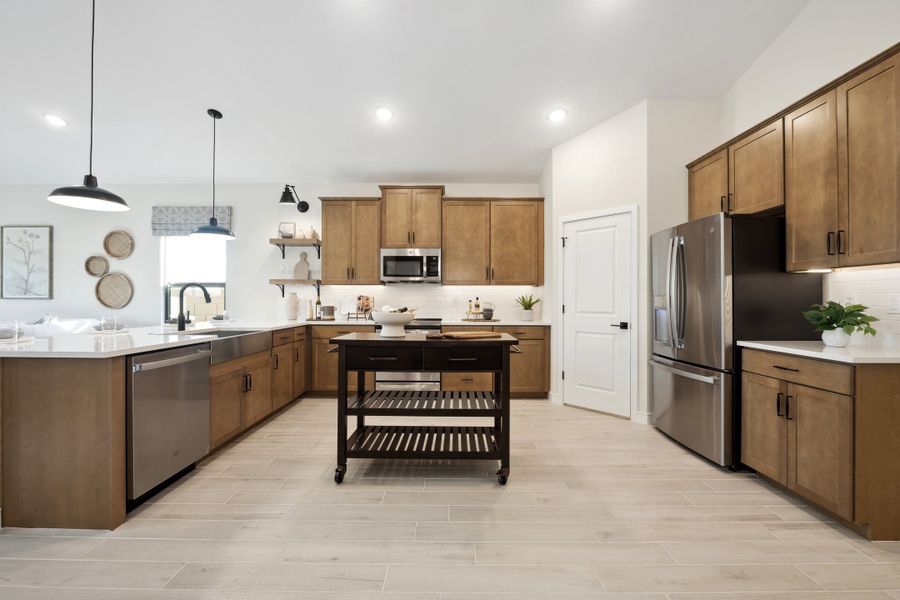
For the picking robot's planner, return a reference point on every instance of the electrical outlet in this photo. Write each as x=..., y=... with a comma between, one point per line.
x=894, y=304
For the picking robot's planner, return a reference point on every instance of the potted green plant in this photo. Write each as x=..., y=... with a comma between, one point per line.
x=837, y=321
x=527, y=303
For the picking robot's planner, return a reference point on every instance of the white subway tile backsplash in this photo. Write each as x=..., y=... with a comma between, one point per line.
x=871, y=287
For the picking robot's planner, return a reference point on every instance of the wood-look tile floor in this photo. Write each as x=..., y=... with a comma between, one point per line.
x=596, y=508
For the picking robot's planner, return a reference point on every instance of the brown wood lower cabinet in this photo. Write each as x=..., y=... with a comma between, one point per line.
x=299, y=358
x=836, y=450
x=324, y=364
x=282, y=375
x=249, y=389
x=529, y=370
x=226, y=402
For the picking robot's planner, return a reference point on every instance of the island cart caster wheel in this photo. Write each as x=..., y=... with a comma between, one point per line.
x=502, y=476
x=338, y=475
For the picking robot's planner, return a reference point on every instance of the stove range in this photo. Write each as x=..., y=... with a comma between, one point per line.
x=411, y=380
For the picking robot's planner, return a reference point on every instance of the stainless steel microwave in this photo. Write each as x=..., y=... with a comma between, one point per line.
x=411, y=265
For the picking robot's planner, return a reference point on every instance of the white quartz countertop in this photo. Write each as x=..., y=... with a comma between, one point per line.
x=147, y=339
x=856, y=353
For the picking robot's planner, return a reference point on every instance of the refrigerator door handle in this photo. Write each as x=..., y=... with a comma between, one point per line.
x=670, y=296
x=681, y=274
x=712, y=380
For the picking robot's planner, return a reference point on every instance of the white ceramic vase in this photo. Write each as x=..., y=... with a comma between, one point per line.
x=836, y=338
x=526, y=315
x=291, y=306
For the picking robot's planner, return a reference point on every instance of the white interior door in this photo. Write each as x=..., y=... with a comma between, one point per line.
x=597, y=296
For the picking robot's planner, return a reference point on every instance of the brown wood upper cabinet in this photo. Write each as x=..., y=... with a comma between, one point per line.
x=746, y=177
x=517, y=242
x=842, y=173
x=466, y=251
x=351, y=234
x=708, y=186
x=756, y=171
x=493, y=241
x=868, y=131
x=411, y=216
x=811, y=184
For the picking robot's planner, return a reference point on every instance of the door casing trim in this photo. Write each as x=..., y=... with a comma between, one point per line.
x=631, y=210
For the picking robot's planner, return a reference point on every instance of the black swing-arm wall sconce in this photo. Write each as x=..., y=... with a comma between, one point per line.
x=289, y=196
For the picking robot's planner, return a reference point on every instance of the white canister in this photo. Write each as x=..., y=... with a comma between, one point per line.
x=291, y=306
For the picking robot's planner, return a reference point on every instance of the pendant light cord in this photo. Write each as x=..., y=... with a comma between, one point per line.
x=93, y=29
x=214, y=170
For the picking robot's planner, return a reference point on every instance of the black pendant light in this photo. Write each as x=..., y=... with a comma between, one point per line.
x=289, y=196
x=88, y=196
x=213, y=229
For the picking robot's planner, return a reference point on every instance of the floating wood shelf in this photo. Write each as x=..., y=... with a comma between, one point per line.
x=281, y=283
x=283, y=243
x=392, y=441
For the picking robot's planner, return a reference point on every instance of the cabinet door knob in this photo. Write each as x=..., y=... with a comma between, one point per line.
x=778, y=404
x=841, y=234
x=829, y=243
x=722, y=204
x=787, y=408
x=276, y=362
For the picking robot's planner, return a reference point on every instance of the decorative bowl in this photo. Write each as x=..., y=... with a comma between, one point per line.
x=392, y=323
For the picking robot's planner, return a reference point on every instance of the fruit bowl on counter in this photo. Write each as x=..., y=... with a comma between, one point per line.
x=393, y=321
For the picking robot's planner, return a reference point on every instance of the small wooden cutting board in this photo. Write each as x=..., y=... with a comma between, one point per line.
x=464, y=335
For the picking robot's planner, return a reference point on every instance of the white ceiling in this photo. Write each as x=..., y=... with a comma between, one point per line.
x=471, y=82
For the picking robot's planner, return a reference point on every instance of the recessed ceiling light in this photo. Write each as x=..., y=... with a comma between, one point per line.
x=557, y=114
x=384, y=114
x=55, y=120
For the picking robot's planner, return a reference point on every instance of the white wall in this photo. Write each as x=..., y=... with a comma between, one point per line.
x=637, y=157
x=604, y=167
x=825, y=40
x=251, y=260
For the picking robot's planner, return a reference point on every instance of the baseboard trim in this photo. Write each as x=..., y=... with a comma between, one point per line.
x=555, y=398
x=641, y=417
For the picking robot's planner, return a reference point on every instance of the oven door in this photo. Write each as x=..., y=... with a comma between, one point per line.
x=408, y=381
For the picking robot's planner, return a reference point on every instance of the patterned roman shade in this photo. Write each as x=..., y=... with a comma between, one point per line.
x=182, y=220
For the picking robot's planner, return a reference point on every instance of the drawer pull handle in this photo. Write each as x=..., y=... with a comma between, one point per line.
x=780, y=368
x=778, y=404
x=469, y=379
x=333, y=350
x=787, y=408
x=463, y=359
x=515, y=350
x=382, y=358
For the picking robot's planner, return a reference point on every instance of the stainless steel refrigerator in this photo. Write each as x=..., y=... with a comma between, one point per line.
x=715, y=281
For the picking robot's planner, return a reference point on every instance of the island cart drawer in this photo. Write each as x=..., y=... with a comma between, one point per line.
x=820, y=374
x=531, y=332
x=330, y=331
x=282, y=336
x=387, y=359
x=465, y=358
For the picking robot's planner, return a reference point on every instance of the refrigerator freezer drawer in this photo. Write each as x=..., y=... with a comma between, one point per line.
x=694, y=406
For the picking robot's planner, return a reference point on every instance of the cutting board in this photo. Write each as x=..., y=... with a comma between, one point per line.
x=464, y=335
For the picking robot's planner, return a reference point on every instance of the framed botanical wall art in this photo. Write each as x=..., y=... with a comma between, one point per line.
x=26, y=262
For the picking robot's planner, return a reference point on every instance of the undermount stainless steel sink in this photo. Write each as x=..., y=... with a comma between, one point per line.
x=234, y=344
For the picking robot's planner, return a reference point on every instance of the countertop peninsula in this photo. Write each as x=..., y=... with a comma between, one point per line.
x=866, y=352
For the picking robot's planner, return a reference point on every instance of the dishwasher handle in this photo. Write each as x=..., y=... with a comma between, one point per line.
x=168, y=362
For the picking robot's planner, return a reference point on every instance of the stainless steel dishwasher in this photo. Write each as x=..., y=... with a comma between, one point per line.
x=167, y=414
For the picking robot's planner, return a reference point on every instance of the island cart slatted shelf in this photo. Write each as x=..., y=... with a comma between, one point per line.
x=363, y=352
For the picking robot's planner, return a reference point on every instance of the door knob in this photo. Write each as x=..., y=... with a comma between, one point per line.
x=620, y=325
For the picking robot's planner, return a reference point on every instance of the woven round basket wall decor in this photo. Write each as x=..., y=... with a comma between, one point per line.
x=115, y=290
x=96, y=266
x=118, y=244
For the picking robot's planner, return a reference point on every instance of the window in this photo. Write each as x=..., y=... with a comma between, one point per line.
x=187, y=259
